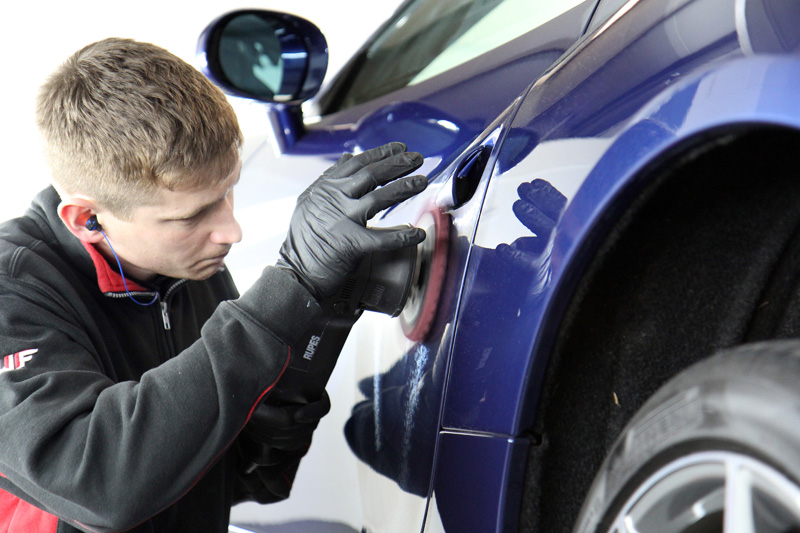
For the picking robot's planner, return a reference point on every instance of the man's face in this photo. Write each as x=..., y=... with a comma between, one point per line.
x=180, y=234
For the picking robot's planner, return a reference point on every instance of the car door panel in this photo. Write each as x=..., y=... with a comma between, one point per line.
x=393, y=427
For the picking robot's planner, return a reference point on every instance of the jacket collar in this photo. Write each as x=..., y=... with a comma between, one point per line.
x=108, y=279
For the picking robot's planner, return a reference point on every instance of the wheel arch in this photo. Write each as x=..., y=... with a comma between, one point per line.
x=685, y=270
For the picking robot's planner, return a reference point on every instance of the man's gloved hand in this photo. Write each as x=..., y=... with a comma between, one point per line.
x=275, y=432
x=266, y=484
x=328, y=234
x=271, y=446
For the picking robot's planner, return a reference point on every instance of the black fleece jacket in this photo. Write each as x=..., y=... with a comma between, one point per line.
x=116, y=416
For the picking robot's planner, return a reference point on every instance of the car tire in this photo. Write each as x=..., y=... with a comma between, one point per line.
x=717, y=448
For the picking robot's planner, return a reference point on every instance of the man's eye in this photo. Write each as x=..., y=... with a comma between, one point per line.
x=191, y=221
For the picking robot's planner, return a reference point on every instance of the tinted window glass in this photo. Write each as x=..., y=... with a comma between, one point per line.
x=429, y=37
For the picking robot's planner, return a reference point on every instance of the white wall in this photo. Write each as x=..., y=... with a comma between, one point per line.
x=38, y=36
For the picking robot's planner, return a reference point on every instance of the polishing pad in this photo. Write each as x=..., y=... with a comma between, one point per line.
x=429, y=271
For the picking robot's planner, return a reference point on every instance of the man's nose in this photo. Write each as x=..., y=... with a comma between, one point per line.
x=226, y=229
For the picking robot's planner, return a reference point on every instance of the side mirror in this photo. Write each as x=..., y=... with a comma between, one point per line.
x=265, y=55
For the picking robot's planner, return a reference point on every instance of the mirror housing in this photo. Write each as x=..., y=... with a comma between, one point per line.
x=264, y=55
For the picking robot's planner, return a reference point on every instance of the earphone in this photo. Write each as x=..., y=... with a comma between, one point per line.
x=93, y=225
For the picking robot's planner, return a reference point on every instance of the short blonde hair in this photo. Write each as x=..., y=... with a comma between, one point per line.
x=121, y=118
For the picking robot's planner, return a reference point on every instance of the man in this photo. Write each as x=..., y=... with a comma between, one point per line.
x=131, y=363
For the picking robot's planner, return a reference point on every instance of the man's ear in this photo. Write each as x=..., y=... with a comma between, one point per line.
x=74, y=212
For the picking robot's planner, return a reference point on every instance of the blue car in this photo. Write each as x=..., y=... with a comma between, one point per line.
x=598, y=333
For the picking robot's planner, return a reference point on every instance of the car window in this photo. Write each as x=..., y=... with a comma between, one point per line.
x=506, y=21
x=429, y=37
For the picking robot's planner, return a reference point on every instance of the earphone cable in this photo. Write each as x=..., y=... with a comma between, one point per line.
x=125, y=283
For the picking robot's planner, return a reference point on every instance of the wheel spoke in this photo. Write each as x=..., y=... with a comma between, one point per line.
x=738, y=499
x=630, y=527
x=712, y=491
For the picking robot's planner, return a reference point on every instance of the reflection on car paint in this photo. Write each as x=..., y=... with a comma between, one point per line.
x=389, y=429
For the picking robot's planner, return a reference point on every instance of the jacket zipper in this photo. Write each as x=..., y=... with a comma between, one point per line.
x=165, y=305
x=165, y=315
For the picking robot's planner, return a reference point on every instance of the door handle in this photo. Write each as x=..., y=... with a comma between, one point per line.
x=468, y=174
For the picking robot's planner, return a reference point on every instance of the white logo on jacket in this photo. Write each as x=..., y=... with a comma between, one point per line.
x=17, y=360
x=312, y=347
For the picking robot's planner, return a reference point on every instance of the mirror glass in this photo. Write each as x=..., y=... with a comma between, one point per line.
x=250, y=56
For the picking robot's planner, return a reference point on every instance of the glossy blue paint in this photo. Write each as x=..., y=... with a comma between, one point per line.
x=478, y=483
x=671, y=95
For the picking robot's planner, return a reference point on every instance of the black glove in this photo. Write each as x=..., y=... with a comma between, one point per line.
x=328, y=234
x=266, y=484
x=277, y=432
x=271, y=446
